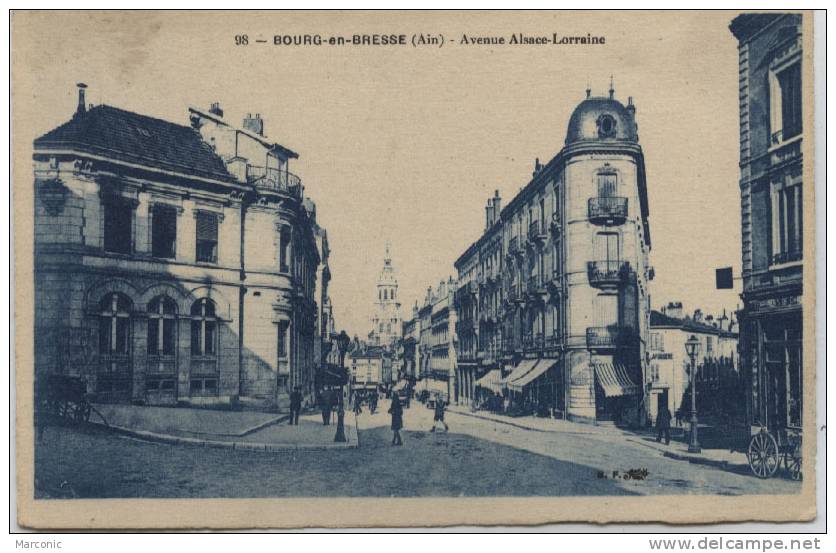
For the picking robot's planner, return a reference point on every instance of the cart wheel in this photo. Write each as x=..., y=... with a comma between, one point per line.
x=792, y=461
x=763, y=455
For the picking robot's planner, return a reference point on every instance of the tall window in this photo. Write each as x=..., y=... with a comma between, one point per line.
x=606, y=309
x=115, y=325
x=207, y=237
x=709, y=345
x=162, y=326
x=657, y=342
x=163, y=231
x=607, y=247
x=118, y=224
x=204, y=328
x=282, y=339
x=786, y=220
x=787, y=86
x=606, y=185
x=284, y=249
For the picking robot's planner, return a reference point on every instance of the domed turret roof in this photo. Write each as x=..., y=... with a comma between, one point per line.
x=602, y=119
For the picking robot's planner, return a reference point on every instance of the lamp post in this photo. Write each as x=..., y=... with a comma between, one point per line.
x=692, y=347
x=343, y=342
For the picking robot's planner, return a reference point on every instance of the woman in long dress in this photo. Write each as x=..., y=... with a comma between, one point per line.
x=396, y=410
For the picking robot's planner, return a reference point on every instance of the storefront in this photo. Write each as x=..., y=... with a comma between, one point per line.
x=771, y=348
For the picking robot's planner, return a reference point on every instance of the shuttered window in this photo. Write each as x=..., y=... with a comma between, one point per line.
x=207, y=237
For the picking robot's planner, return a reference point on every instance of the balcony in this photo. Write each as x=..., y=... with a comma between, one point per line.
x=552, y=341
x=554, y=225
x=514, y=246
x=536, y=232
x=787, y=257
x=606, y=274
x=533, y=342
x=273, y=180
x=603, y=337
x=607, y=210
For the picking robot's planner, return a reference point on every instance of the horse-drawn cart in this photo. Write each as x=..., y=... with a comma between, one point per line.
x=65, y=397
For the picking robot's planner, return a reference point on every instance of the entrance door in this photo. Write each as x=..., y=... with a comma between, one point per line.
x=661, y=401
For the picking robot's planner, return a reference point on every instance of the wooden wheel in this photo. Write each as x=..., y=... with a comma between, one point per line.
x=763, y=455
x=792, y=462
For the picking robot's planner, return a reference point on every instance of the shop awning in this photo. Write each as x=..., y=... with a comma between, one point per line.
x=525, y=366
x=614, y=380
x=532, y=375
x=492, y=380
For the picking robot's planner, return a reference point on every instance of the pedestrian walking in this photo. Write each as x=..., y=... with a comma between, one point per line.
x=396, y=410
x=663, y=425
x=358, y=404
x=373, y=402
x=295, y=405
x=438, y=415
x=325, y=407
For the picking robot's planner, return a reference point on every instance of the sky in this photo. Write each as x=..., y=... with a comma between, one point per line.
x=406, y=144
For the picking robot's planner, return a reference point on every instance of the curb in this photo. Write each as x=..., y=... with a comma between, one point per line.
x=693, y=459
x=521, y=426
x=221, y=444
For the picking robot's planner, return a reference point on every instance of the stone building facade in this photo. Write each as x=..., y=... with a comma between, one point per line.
x=669, y=369
x=174, y=264
x=560, y=301
x=771, y=196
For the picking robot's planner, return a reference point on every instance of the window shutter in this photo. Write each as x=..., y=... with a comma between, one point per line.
x=207, y=226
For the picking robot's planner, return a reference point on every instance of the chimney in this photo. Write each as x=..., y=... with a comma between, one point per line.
x=497, y=205
x=215, y=109
x=489, y=214
x=254, y=124
x=82, y=106
x=537, y=167
x=674, y=309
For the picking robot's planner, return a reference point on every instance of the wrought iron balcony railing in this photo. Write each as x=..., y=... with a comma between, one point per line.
x=603, y=337
x=608, y=210
x=606, y=273
x=271, y=179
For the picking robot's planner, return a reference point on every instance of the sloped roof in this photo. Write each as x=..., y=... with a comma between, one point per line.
x=131, y=137
x=659, y=319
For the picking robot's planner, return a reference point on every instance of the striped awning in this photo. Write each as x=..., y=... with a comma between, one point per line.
x=525, y=366
x=614, y=380
x=492, y=380
x=532, y=375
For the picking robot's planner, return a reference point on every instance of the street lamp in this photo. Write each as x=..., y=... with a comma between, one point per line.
x=343, y=341
x=692, y=347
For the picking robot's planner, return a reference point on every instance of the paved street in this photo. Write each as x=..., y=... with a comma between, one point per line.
x=476, y=458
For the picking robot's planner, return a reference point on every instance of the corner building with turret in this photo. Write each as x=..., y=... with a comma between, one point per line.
x=555, y=317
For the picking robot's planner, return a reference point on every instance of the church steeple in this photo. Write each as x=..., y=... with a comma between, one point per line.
x=386, y=321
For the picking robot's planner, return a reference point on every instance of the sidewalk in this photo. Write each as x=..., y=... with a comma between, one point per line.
x=538, y=424
x=734, y=461
x=227, y=429
x=677, y=450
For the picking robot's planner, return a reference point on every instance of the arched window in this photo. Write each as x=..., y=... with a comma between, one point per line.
x=381, y=328
x=204, y=328
x=162, y=326
x=115, y=324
